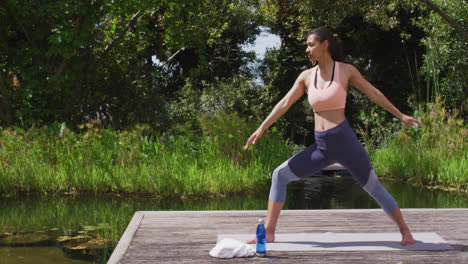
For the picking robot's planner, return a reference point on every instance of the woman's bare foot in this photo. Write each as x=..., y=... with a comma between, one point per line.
x=406, y=238
x=274, y=209
x=270, y=237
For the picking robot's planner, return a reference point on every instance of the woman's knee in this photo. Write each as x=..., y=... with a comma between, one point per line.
x=378, y=192
x=280, y=178
x=283, y=174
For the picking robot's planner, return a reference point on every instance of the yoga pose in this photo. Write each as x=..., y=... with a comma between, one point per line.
x=326, y=86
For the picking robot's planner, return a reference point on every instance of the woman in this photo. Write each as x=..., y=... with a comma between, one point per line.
x=326, y=86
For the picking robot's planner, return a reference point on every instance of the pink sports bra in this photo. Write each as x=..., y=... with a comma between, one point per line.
x=331, y=97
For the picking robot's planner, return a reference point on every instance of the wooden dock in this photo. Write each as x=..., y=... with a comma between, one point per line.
x=188, y=236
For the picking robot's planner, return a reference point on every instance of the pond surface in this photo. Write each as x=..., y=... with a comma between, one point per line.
x=86, y=229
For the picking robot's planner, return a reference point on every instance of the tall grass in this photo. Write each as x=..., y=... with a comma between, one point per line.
x=434, y=155
x=56, y=159
x=437, y=153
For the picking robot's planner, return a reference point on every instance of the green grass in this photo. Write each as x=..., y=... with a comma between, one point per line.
x=434, y=155
x=54, y=159
x=207, y=161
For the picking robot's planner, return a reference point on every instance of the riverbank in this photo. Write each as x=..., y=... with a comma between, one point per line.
x=57, y=160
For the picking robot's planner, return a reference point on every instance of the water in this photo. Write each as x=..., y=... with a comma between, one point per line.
x=86, y=229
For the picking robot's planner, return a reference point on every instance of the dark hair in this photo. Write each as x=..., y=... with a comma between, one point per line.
x=335, y=47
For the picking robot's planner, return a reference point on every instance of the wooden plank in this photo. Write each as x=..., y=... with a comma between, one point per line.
x=126, y=239
x=188, y=236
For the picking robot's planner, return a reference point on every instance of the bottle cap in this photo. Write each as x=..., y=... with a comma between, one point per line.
x=261, y=221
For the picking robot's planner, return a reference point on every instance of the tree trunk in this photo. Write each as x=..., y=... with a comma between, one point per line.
x=6, y=112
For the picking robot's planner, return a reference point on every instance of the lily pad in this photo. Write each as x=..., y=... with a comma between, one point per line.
x=68, y=238
x=25, y=238
x=89, y=228
x=82, y=242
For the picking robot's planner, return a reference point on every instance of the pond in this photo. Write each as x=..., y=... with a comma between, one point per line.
x=86, y=229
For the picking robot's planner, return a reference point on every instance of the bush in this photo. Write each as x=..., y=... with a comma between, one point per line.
x=435, y=154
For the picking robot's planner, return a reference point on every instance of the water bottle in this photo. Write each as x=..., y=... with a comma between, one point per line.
x=261, y=239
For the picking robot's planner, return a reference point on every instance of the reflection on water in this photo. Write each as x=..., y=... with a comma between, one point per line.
x=35, y=255
x=345, y=193
x=86, y=229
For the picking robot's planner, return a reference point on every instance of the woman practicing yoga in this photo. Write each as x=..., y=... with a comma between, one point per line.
x=326, y=86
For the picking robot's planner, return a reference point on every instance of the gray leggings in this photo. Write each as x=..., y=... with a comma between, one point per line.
x=338, y=144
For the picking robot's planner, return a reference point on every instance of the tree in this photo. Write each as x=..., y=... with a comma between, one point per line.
x=447, y=18
x=81, y=60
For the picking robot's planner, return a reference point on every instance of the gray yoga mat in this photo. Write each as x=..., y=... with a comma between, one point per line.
x=348, y=241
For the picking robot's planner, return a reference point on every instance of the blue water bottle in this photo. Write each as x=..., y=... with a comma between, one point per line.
x=261, y=239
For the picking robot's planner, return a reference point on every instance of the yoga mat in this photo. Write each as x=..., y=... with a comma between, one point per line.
x=348, y=241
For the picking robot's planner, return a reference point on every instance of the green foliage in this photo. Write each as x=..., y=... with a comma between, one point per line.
x=375, y=129
x=165, y=63
x=237, y=95
x=75, y=61
x=444, y=63
x=435, y=154
x=228, y=134
x=55, y=159
x=446, y=58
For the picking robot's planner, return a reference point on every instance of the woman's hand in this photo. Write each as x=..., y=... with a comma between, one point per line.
x=253, y=138
x=408, y=120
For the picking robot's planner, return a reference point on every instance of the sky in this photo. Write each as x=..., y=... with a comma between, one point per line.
x=264, y=40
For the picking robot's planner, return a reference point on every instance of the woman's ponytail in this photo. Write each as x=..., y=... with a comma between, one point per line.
x=336, y=48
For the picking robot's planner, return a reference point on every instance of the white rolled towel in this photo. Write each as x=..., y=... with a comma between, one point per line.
x=232, y=248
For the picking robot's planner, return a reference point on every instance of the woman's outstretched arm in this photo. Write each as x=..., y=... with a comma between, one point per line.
x=280, y=109
x=377, y=96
